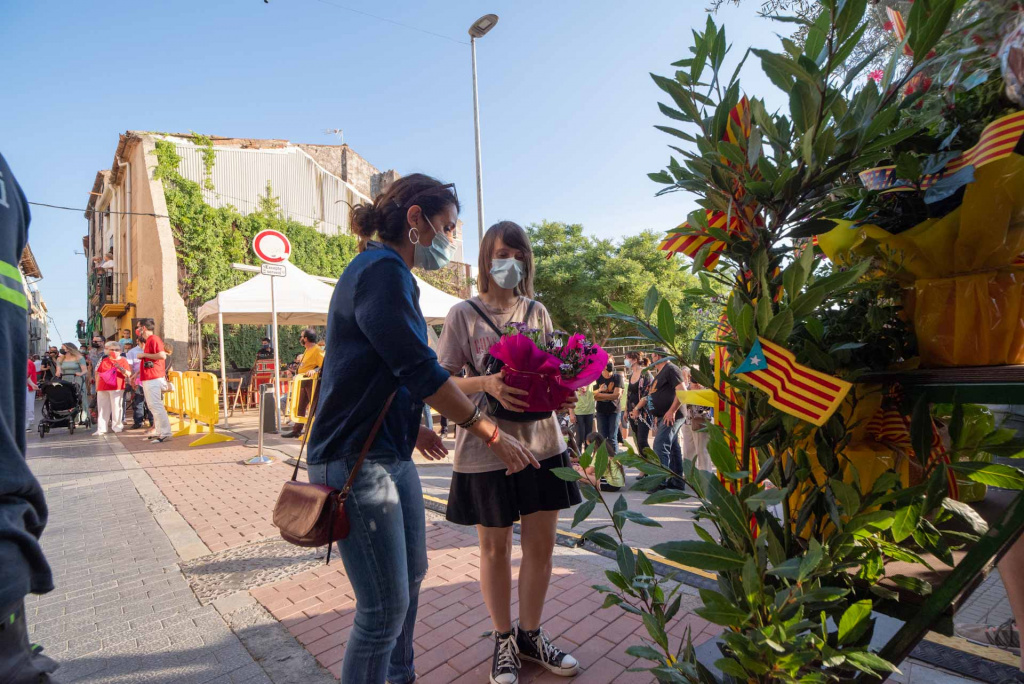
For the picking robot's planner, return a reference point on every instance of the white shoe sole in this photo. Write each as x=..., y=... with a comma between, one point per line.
x=495, y=681
x=553, y=669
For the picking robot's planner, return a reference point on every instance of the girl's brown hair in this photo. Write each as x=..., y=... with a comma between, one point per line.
x=514, y=237
x=386, y=215
x=639, y=358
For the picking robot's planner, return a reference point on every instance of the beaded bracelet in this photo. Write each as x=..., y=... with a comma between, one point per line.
x=472, y=420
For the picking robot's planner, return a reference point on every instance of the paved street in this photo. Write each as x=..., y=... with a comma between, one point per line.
x=122, y=610
x=168, y=570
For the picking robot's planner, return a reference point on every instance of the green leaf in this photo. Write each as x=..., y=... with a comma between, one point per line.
x=905, y=521
x=914, y=584
x=869, y=662
x=780, y=327
x=666, y=322
x=855, y=621
x=966, y=513
x=764, y=312
x=638, y=518
x=781, y=64
x=582, y=512
x=765, y=498
x=665, y=496
x=627, y=562
x=873, y=520
x=567, y=474
x=808, y=302
x=846, y=495
x=804, y=101
x=651, y=301
x=656, y=630
x=746, y=325
x=926, y=24
x=701, y=555
x=732, y=152
x=601, y=539
x=600, y=462
x=622, y=308
x=645, y=652
x=811, y=560
x=719, y=610
x=995, y=474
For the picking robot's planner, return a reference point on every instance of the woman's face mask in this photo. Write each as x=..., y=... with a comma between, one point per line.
x=434, y=256
x=507, y=273
x=629, y=364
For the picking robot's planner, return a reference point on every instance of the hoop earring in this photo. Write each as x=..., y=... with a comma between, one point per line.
x=415, y=241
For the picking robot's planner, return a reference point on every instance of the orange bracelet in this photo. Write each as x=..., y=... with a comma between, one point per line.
x=493, y=439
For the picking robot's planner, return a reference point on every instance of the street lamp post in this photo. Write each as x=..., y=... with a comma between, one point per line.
x=478, y=30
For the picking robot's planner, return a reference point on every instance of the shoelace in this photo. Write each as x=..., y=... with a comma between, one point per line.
x=551, y=653
x=508, y=653
x=1003, y=635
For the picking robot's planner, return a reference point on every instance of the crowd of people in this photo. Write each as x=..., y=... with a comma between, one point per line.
x=111, y=377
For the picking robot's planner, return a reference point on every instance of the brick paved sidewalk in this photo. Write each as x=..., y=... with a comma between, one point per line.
x=122, y=610
x=229, y=506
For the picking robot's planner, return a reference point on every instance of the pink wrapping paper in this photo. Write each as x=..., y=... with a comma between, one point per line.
x=536, y=371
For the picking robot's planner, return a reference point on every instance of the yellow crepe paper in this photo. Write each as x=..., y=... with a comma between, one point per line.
x=965, y=285
x=701, y=397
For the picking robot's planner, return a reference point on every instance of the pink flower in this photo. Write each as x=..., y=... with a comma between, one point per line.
x=876, y=75
x=887, y=26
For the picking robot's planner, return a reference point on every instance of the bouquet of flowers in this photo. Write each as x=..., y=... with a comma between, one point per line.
x=550, y=366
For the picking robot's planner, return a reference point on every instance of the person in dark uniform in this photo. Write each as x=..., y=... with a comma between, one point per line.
x=265, y=351
x=23, y=513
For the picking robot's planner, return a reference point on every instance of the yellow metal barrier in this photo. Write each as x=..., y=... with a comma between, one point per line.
x=196, y=398
x=172, y=400
x=293, y=396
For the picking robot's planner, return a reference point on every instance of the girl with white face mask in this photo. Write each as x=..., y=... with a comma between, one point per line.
x=486, y=493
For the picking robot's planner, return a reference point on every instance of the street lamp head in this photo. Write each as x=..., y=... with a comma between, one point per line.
x=482, y=25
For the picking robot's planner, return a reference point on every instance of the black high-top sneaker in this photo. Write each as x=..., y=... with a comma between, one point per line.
x=505, y=665
x=536, y=647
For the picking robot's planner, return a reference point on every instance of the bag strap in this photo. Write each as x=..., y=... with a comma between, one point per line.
x=366, y=445
x=484, y=316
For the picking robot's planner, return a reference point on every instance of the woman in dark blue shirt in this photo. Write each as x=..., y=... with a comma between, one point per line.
x=376, y=345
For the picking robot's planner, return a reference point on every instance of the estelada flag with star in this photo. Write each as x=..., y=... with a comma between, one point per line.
x=792, y=387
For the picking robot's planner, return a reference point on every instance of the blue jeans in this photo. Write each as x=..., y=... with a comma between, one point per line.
x=608, y=426
x=385, y=557
x=584, y=426
x=670, y=453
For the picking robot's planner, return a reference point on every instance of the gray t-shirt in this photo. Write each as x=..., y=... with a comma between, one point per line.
x=465, y=340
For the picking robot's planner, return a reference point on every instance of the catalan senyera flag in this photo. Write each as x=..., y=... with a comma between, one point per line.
x=899, y=27
x=689, y=243
x=997, y=141
x=890, y=426
x=792, y=387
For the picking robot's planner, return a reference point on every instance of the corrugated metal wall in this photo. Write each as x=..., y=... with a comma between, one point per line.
x=305, y=192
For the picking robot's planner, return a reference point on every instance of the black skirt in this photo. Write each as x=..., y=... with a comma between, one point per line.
x=494, y=499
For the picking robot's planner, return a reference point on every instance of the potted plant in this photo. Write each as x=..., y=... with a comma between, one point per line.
x=797, y=536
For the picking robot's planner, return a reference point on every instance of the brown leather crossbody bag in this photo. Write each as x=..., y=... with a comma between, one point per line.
x=310, y=514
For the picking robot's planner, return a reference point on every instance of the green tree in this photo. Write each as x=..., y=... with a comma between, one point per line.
x=579, y=276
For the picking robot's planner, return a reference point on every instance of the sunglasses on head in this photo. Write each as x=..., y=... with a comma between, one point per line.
x=431, y=191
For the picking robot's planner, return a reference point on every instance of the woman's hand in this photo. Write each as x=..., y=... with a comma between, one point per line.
x=505, y=394
x=514, y=455
x=635, y=413
x=430, y=445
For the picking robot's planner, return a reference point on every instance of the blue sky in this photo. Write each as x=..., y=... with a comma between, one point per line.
x=567, y=106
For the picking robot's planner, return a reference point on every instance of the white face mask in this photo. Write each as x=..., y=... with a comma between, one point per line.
x=507, y=273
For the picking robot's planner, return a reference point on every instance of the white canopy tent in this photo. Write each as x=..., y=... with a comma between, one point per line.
x=299, y=299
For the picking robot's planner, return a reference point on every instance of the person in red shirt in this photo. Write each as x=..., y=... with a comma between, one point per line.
x=151, y=377
x=111, y=374
x=30, y=397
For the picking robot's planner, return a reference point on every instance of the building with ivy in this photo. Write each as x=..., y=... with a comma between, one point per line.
x=174, y=211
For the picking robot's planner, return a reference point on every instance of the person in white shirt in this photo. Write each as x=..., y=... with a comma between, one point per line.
x=140, y=412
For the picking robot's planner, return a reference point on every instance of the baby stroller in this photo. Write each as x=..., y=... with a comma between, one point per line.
x=62, y=402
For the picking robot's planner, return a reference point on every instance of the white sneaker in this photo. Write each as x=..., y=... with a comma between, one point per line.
x=98, y=433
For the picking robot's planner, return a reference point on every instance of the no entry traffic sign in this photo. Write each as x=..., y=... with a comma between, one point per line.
x=272, y=246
